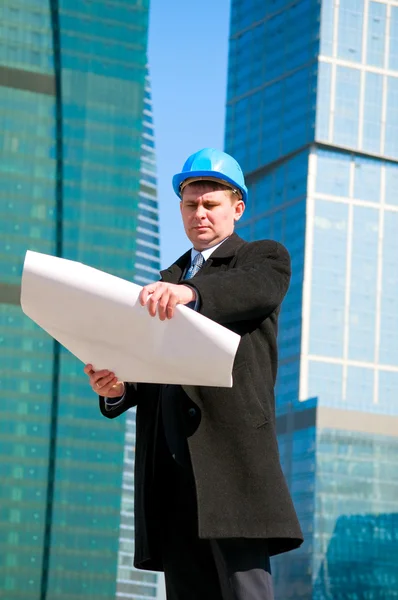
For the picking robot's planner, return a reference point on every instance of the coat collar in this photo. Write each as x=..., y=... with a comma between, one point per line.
x=227, y=250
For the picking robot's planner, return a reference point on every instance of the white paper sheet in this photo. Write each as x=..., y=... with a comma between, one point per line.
x=98, y=317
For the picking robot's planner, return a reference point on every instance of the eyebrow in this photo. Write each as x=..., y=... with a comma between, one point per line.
x=213, y=201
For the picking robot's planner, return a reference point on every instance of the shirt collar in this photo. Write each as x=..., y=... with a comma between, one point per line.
x=206, y=253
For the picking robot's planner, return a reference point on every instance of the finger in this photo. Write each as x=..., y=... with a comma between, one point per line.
x=162, y=306
x=98, y=374
x=146, y=292
x=143, y=296
x=160, y=293
x=97, y=379
x=173, y=301
x=114, y=389
x=99, y=382
x=89, y=369
x=102, y=386
x=106, y=389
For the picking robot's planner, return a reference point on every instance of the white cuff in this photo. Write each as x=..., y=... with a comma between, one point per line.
x=111, y=403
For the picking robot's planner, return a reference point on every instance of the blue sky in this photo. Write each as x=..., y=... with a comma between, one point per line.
x=188, y=58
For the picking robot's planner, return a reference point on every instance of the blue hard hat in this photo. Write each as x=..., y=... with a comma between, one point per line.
x=210, y=162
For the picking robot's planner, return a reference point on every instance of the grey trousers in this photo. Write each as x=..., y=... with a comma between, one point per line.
x=217, y=570
x=196, y=569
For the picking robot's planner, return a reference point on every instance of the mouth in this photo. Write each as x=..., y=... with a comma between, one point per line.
x=201, y=228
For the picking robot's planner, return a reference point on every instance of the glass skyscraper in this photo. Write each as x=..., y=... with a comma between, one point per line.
x=133, y=583
x=312, y=117
x=76, y=180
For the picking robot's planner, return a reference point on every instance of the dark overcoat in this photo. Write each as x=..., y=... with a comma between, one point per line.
x=240, y=487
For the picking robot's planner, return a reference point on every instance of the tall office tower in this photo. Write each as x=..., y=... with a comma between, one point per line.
x=72, y=79
x=312, y=116
x=133, y=583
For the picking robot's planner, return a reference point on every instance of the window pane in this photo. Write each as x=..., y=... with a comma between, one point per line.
x=333, y=173
x=328, y=278
x=389, y=299
x=391, y=147
x=391, y=184
x=388, y=398
x=323, y=101
x=376, y=34
x=346, y=107
x=359, y=394
x=393, y=57
x=325, y=381
x=350, y=30
x=372, y=112
x=326, y=41
x=367, y=179
x=362, y=313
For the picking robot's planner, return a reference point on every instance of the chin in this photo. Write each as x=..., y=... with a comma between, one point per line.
x=203, y=238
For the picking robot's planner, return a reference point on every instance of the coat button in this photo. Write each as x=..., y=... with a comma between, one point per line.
x=192, y=412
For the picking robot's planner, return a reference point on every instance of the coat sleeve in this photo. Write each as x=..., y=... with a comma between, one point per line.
x=131, y=397
x=252, y=289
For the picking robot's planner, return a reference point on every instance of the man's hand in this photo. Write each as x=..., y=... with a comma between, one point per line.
x=164, y=297
x=104, y=383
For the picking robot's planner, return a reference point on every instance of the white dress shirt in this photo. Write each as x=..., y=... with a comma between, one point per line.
x=205, y=253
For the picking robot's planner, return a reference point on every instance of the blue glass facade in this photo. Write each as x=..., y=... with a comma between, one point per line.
x=133, y=583
x=312, y=118
x=77, y=179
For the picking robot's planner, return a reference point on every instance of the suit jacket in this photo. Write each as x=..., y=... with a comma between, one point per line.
x=240, y=487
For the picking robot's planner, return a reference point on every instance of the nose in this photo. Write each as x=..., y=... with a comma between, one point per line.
x=200, y=212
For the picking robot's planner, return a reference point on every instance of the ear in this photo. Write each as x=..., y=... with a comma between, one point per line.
x=239, y=209
x=181, y=206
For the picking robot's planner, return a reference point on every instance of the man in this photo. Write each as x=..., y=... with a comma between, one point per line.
x=211, y=502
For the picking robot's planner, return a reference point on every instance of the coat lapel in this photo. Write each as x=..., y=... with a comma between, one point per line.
x=174, y=273
x=224, y=253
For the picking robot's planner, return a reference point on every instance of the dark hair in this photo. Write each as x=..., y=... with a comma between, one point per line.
x=215, y=186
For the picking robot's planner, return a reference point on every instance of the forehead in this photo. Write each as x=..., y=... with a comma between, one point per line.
x=195, y=191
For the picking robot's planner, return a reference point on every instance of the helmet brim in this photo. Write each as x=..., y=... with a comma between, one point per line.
x=179, y=178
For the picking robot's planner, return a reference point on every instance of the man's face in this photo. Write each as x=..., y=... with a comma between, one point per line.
x=209, y=216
